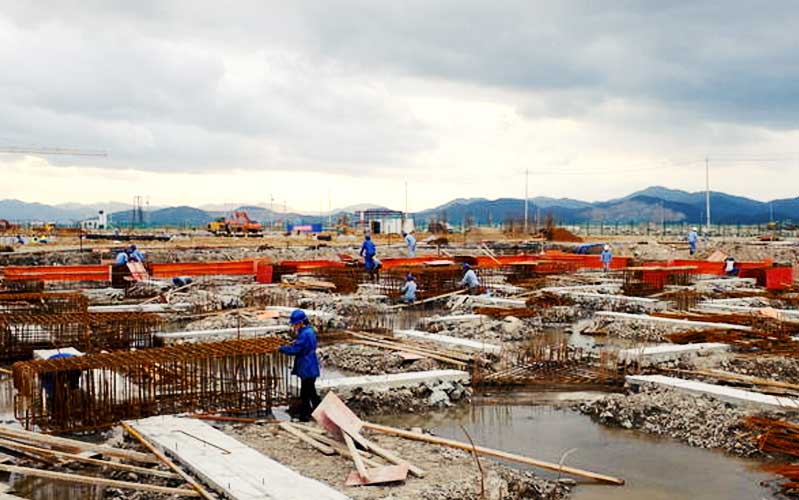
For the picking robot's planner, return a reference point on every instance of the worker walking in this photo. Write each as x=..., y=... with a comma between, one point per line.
x=410, y=241
x=470, y=280
x=692, y=239
x=368, y=252
x=306, y=364
x=606, y=257
x=409, y=289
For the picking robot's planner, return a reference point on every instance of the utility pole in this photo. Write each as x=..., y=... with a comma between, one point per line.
x=329, y=210
x=526, y=176
x=707, y=197
x=405, y=217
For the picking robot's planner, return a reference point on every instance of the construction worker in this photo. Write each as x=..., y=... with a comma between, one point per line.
x=409, y=289
x=693, y=237
x=306, y=364
x=368, y=252
x=122, y=258
x=135, y=254
x=606, y=257
x=470, y=280
x=730, y=269
x=410, y=240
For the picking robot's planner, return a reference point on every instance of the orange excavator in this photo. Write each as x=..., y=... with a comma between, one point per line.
x=239, y=224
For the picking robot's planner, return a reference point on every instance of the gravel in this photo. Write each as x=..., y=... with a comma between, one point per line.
x=371, y=361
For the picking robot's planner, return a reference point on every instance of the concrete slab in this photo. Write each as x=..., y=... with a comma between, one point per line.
x=200, y=335
x=791, y=314
x=731, y=395
x=498, y=302
x=151, y=308
x=668, y=352
x=46, y=353
x=285, y=312
x=346, y=385
x=680, y=323
x=643, y=302
x=454, y=318
x=231, y=468
x=446, y=340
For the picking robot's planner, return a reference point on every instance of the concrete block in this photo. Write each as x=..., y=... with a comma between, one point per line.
x=677, y=323
x=668, y=352
x=346, y=385
x=446, y=340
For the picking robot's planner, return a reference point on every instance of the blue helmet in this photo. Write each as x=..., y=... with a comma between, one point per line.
x=368, y=237
x=466, y=265
x=409, y=277
x=297, y=316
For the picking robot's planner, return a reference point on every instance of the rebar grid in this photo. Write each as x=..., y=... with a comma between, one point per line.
x=23, y=333
x=50, y=303
x=97, y=390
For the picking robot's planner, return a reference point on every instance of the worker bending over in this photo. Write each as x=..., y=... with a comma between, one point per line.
x=122, y=258
x=692, y=239
x=606, y=257
x=470, y=280
x=409, y=289
x=368, y=252
x=134, y=254
x=306, y=364
x=410, y=241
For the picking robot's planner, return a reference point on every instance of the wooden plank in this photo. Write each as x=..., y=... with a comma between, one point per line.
x=392, y=457
x=169, y=463
x=494, y=453
x=324, y=449
x=444, y=359
x=431, y=299
x=356, y=457
x=345, y=452
x=75, y=478
x=79, y=458
x=72, y=444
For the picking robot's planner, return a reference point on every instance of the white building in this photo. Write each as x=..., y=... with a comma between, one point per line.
x=99, y=222
x=379, y=221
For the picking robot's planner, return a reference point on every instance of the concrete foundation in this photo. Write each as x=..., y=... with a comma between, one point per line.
x=731, y=395
x=678, y=324
x=791, y=314
x=231, y=468
x=446, y=340
x=347, y=385
x=653, y=355
x=603, y=300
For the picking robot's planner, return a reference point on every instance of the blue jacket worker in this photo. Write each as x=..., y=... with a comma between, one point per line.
x=368, y=252
x=410, y=241
x=122, y=259
x=692, y=239
x=136, y=255
x=469, y=280
x=306, y=364
x=409, y=289
x=606, y=257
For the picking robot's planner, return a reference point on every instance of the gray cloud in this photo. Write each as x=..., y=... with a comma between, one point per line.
x=310, y=85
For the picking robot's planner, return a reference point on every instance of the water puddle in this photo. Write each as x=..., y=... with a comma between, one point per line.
x=654, y=468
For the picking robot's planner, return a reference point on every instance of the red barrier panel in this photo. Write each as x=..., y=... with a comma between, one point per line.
x=57, y=273
x=305, y=265
x=235, y=268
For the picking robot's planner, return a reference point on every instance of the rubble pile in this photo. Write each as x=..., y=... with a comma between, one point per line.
x=699, y=421
x=509, y=328
x=407, y=399
x=207, y=301
x=372, y=361
x=146, y=289
x=633, y=330
x=768, y=367
x=103, y=296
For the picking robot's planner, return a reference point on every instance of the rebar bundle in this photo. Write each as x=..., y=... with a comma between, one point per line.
x=97, y=390
x=23, y=333
x=49, y=303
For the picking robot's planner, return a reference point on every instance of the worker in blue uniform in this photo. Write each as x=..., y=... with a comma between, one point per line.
x=410, y=242
x=306, y=363
x=408, y=291
x=122, y=258
x=135, y=254
x=368, y=252
x=470, y=281
x=606, y=257
x=692, y=239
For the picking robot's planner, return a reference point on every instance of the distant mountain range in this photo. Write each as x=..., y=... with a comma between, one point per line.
x=652, y=204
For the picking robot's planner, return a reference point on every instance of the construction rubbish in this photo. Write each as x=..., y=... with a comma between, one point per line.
x=369, y=360
x=482, y=328
x=762, y=385
x=43, y=303
x=785, y=369
x=655, y=355
x=679, y=415
x=22, y=333
x=97, y=390
x=432, y=351
x=649, y=328
x=223, y=334
x=778, y=436
x=621, y=303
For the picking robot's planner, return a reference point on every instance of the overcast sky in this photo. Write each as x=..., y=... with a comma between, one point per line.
x=219, y=102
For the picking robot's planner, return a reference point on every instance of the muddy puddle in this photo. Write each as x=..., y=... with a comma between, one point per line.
x=654, y=468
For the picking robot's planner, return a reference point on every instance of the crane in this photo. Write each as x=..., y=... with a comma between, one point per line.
x=50, y=151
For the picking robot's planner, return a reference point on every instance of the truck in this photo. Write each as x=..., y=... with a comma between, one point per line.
x=238, y=224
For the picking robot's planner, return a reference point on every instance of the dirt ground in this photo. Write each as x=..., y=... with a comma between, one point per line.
x=459, y=479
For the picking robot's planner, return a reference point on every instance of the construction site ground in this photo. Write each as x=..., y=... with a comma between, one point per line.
x=556, y=388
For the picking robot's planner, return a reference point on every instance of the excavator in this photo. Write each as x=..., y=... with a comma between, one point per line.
x=239, y=224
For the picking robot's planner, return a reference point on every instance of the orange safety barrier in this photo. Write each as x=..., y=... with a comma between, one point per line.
x=57, y=273
x=171, y=270
x=306, y=265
